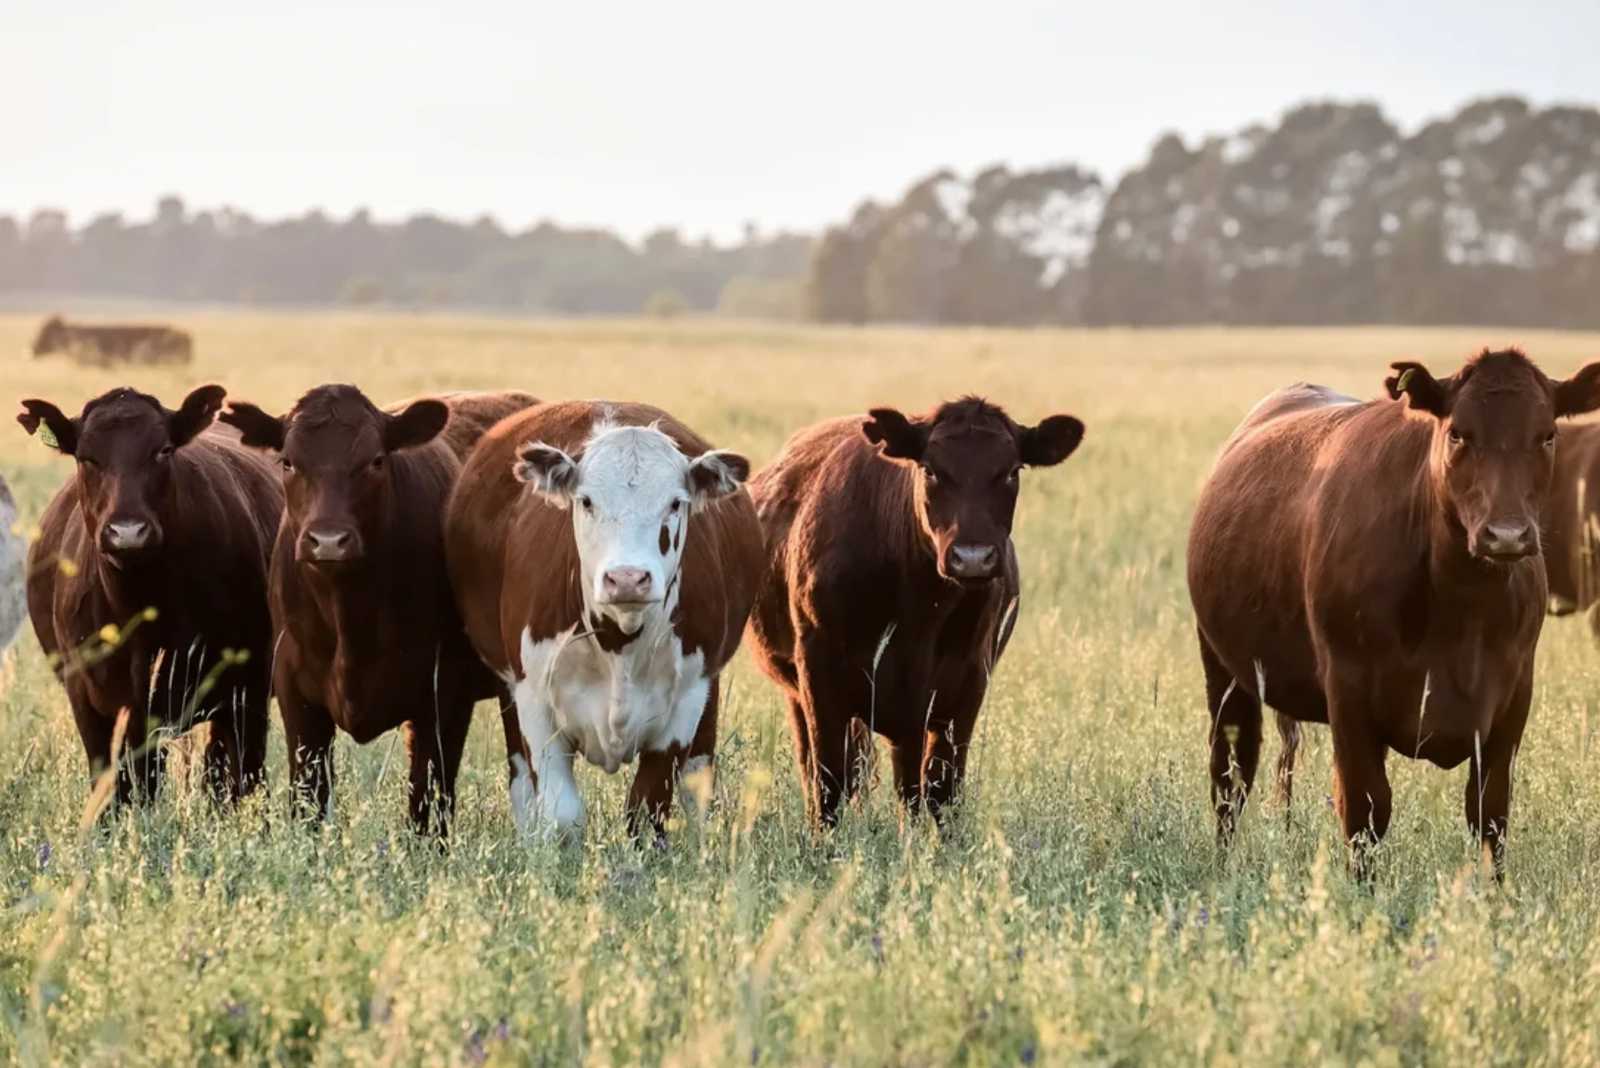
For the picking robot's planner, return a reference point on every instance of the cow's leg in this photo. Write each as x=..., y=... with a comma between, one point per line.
x=826, y=693
x=435, y=744
x=1361, y=792
x=948, y=743
x=144, y=759
x=1235, y=741
x=906, y=753
x=650, y=798
x=800, y=726
x=1488, y=794
x=237, y=749
x=308, y=733
x=1289, y=736
x=222, y=747
x=94, y=731
x=545, y=798
x=861, y=757
x=516, y=746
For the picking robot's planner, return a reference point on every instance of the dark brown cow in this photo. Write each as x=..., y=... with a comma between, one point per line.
x=1572, y=524
x=1376, y=566
x=892, y=586
x=165, y=514
x=114, y=344
x=605, y=558
x=368, y=637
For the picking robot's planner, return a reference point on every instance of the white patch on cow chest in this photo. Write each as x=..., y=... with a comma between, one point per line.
x=575, y=698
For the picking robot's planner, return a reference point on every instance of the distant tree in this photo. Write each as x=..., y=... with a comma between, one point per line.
x=665, y=304
x=747, y=297
x=361, y=290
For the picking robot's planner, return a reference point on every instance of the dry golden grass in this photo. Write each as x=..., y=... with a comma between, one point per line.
x=1075, y=911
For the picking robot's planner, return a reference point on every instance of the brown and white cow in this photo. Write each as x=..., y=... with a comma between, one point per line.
x=1376, y=566
x=891, y=586
x=368, y=636
x=606, y=558
x=111, y=344
x=164, y=512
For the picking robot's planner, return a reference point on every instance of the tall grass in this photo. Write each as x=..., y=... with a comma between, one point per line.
x=1074, y=910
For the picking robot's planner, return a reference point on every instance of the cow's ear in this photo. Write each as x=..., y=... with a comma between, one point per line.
x=551, y=473
x=715, y=474
x=256, y=428
x=419, y=424
x=1580, y=393
x=1052, y=441
x=898, y=437
x=1422, y=391
x=62, y=432
x=197, y=412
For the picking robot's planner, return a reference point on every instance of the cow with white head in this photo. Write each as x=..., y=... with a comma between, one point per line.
x=605, y=558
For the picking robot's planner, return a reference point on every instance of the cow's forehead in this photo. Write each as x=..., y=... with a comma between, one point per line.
x=319, y=436
x=122, y=416
x=632, y=459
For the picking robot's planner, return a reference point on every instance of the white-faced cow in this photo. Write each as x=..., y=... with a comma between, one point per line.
x=605, y=558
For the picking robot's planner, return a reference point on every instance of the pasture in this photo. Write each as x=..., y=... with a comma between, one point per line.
x=1074, y=911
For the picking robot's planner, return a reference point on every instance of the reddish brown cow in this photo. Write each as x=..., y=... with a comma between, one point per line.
x=114, y=344
x=1572, y=524
x=605, y=558
x=165, y=514
x=1376, y=566
x=368, y=637
x=891, y=586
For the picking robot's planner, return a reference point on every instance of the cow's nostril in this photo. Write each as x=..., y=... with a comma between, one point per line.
x=973, y=561
x=627, y=583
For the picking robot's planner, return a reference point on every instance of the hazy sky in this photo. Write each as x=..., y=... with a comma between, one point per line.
x=695, y=113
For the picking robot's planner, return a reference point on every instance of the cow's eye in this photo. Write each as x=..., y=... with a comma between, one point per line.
x=1456, y=437
x=377, y=462
x=677, y=506
x=930, y=474
x=1011, y=476
x=287, y=465
x=1550, y=440
x=165, y=452
x=587, y=502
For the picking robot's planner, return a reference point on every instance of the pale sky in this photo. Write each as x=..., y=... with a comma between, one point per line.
x=700, y=114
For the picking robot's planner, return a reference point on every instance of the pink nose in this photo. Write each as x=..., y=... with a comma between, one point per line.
x=624, y=585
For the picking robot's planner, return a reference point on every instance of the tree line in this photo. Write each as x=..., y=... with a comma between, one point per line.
x=425, y=261
x=1331, y=215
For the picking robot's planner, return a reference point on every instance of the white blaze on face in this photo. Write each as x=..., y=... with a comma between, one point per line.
x=631, y=493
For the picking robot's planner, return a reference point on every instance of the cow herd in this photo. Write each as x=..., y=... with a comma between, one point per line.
x=1376, y=566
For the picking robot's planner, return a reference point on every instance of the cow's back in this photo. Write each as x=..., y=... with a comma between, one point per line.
x=1312, y=490
x=791, y=483
x=473, y=413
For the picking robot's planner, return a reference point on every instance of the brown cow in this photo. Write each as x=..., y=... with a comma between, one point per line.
x=165, y=514
x=1572, y=525
x=368, y=637
x=891, y=586
x=107, y=345
x=605, y=558
x=1375, y=566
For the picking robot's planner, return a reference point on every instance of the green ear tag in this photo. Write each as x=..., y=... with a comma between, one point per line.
x=47, y=437
x=1404, y=379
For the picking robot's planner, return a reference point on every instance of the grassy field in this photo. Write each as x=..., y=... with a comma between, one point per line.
x=1076, y=910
